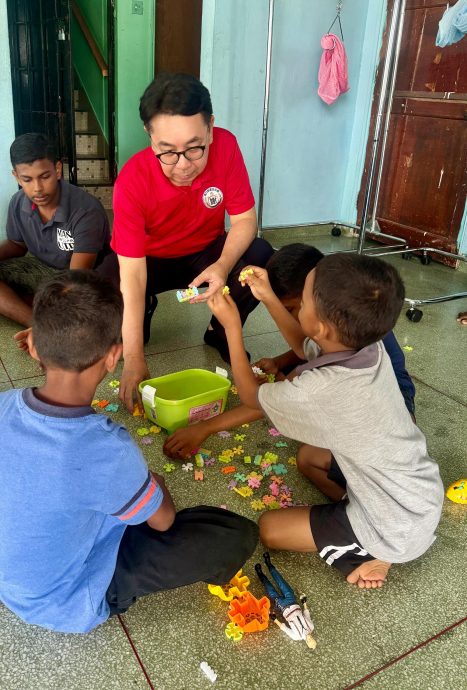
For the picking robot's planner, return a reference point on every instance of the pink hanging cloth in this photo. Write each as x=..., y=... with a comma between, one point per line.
x=333, y=70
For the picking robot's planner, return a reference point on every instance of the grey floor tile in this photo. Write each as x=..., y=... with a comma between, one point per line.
x=16, y=362
x=437, y=666
x=35, y=659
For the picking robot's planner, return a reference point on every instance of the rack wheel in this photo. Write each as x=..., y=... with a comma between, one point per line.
x=425, y=259
x=414, y=315
x=336, y=232
x=406, y=256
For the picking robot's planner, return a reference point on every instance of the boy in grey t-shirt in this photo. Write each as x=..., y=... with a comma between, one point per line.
x=360, y=443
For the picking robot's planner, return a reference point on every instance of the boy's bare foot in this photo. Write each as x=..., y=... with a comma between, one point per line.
x=369, y=575
x=462, y=318
x=181, y=444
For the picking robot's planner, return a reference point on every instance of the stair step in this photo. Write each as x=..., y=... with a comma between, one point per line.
x=102, y=191
x=81, y=120
x=89, y=144
x=92, y=168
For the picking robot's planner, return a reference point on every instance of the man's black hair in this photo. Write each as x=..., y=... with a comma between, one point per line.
x=361, y=296
x=77, y=316
x=175, y=94
x=31, y=147
x=289, y=266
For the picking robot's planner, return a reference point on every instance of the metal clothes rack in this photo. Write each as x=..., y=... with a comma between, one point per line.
x=375, y=166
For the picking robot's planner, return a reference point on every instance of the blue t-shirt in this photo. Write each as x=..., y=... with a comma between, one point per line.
x=71, y=480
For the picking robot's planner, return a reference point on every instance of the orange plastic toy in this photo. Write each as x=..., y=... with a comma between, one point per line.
x=237, y=586
x=249, y=613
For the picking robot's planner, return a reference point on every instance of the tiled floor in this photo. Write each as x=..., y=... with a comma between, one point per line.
x=161, y=641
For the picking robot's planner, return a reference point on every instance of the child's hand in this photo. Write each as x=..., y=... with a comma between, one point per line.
x=258, y=282
x=268, y=365
x=225, y=310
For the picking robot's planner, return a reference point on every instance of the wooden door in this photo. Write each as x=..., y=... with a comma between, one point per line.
x=178, y=36
x=424, y=181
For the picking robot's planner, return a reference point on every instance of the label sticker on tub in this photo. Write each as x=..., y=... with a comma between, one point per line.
x=148, y=395
x=207, y=411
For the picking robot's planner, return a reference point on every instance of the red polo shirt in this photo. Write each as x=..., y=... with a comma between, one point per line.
x=153, y=217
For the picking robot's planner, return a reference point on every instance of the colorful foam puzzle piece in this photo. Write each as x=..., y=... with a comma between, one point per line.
x=281, y=444
x=223, y=434
x=240, y=437
x=187, y=294
x=199, y=475
x=115, y=383
x=142, y=431
x=226, y=290
x=273, y=432
x=245, y=426
x=154, y=429
x=229, y=469
x=258, y=459
x=257, y=505
x=112, y=407
x=187, y=467
x=233, y=632
x=292, y=460
x=147, y=440
x=103, y=403
x=136, y=411
x=169, y=467
x=247, y=459
x=240, y=477
x=244, y=491
x=245, y=273
x=199, y=460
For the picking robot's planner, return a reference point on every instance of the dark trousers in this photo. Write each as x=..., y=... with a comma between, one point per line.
x=175, y=274
x=204, y=544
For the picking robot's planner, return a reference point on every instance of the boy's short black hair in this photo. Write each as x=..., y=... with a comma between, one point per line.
x=77, y=317
x=31, y=147
x=361, y=296
x=289, y=266
x=175, y=94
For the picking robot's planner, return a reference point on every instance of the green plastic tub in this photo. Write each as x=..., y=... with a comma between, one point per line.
x=184, y=398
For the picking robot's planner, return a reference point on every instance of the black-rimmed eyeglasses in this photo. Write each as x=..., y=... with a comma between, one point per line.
x=193, y=153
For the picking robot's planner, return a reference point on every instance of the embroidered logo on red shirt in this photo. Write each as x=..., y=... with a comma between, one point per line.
x=212, y=197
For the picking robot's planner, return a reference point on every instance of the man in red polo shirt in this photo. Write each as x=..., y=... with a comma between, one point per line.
x=169, y=203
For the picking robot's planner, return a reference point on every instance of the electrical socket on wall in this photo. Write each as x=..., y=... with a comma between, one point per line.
x=136, y=6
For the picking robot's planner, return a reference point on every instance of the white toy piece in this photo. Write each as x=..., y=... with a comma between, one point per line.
x=208, y=671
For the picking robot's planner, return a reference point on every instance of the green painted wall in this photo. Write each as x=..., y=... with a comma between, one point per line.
x=95, y=13
x=134, y=61
x=93, y=83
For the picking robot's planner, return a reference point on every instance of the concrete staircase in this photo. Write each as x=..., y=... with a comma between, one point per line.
x=91, y=152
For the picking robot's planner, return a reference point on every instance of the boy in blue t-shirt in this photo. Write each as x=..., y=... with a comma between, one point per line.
x=86, y=528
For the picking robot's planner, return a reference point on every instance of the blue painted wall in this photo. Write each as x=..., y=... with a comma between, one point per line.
x=8, y=185
x=315, y=152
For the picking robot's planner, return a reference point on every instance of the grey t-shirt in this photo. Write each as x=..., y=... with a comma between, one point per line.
x=80, y=224
x=351, y=404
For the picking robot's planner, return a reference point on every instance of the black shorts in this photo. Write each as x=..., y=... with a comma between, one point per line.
x=335, y=539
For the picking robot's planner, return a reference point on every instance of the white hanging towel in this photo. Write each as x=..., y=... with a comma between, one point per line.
x=453, y=24
x=333, y=69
